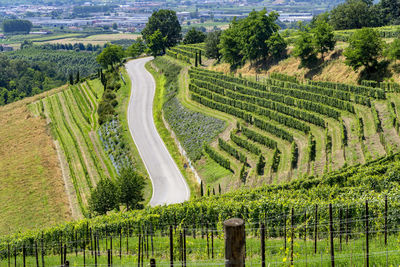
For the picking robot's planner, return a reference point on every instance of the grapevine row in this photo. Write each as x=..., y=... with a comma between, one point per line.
x=232, y=151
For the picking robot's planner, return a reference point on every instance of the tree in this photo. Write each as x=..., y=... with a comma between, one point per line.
x=392, y=51
x=212, y=41
x=115, y=26
x=17, y=25
x=137, y=48
x=104, y=197
x=260, y=165
x=71, y=79
x=110, y=55
x=130, y=187
x=365, y=47
x=201, y=188
x=304, y=49
x=156, y=43
x=353, y=14
x=77, y=77
x=277, y=46
x=249, y=38
x=194, y=36
x=230, y=47
x=389, y=11
x=324, y=38
x=195, y=61
x=166, y=22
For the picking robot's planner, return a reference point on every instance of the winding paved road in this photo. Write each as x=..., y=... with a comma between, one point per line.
x=169, y=186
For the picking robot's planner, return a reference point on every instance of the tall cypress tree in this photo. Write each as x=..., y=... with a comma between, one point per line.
x=201, y=189
x=195, y=61
x=200, y=57
x=71, y=79
x=77, y=77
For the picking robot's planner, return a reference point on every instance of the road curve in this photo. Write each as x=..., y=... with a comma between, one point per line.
x=169, y=186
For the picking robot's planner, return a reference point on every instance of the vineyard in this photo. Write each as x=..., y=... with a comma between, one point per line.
x=352, y=214
x=73, y=116
x=302, y=128
x=187, y=53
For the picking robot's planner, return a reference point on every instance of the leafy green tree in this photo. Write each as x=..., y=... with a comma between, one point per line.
x=137, y=48
x=389, y=11
x=212, y=41
x=115, y=26
x=130, y=187
x=353, y=14
x=194, y=36
x=365, y=47
x=250, y=38
x=104, y=197
x=260, y=165
x=17, y=25
x=110, y=55
x=392, y=51
x=167, y=23
x=324, y=38
x=78, y=78
x=304, y=49
x=277, y=46
x=156, y=43
x=230, y=46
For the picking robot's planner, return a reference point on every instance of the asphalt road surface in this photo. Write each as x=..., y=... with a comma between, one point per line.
x=169, y=186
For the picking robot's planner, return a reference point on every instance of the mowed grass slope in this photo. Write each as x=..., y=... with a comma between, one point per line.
x=32, y=191
x=73, y=116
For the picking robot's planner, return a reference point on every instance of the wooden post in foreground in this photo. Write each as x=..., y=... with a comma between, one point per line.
x=235, y=240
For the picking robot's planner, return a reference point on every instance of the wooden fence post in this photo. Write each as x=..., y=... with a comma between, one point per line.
x=235, y=239
x=171, y=246
x=262, y=232
x=386, y=214
x=316, y=228
x=367, y=233
x=331, y=236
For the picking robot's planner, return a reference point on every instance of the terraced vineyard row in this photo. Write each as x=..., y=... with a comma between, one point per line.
x=316, y=126
x=186, y=53
x=73, y=116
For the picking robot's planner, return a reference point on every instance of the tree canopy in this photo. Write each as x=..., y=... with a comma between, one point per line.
x=104, y=197
x=248, y=38
x=304, y=48
x=324, y=39
x=156, y=43
x=17, y=25
x=365, y=47
x=194, y=36
x=167, y=23
x=111, y=55
x=212, y=42
x=130, y=185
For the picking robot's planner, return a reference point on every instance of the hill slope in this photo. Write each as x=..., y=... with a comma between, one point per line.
x=32, y=191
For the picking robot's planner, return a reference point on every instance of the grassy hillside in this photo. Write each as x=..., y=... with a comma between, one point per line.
x=91, y=151
x=32, y=191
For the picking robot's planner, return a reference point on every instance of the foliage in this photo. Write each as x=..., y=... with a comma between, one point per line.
x=221, y=160
x=136, y=49
x=365, y=47
x=232, y=151
x=130, y=188
x=392, y=51
x=353, y=14
x=304, y=49
x=212, y=42
x=166, y=22
x=16, y=25
x=323, y=37
x=110, y=55
x=194, y=36
x=250, y=38
x=20, y=78
x=389, y=11
x=260, y=165
x=104, y=197
x=156, y=43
